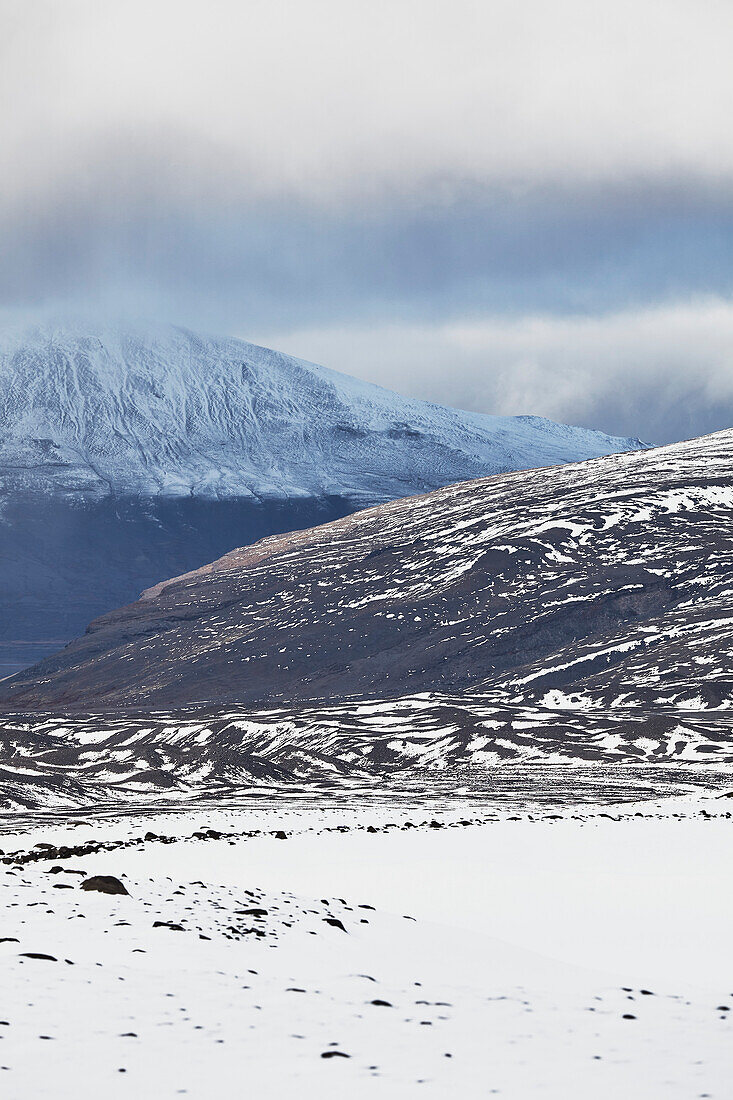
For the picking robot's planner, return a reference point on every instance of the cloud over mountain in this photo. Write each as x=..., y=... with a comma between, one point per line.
x=270, y=167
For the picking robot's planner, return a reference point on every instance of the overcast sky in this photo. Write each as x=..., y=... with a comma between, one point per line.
x=512, y=206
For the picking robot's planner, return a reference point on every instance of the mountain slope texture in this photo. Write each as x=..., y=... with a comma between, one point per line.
x=603, y=584
x=127, y=456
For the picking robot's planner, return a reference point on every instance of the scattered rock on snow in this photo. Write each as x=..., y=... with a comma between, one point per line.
x=334, y=922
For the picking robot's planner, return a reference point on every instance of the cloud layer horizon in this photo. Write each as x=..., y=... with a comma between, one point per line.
x=509, y=207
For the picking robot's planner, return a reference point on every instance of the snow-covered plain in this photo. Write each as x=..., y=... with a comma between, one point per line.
x=584, y=952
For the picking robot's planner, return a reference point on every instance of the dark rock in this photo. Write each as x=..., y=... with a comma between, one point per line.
x=104, y=884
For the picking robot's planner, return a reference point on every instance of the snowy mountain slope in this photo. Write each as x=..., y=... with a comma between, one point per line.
x=130, y=455
x=600, y=584
x=173, y=413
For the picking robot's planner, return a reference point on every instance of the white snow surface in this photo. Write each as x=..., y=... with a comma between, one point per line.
x=583, y=954
x=94, y=408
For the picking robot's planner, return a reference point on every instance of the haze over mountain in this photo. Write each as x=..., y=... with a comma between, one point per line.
x=603, y=584
x=128, y=455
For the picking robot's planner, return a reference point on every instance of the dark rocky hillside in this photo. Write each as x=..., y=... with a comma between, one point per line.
x=599, y=584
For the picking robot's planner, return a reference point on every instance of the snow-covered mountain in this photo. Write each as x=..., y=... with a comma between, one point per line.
x=604, y=584
x=128, y=455
x=175, y=414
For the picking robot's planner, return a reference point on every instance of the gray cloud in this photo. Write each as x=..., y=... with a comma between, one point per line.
x=262, y=264
x=250, y=164
x=331, y=176
x=330, y=99
x=659, y=374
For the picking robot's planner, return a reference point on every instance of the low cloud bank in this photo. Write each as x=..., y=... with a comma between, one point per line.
x=660, y=374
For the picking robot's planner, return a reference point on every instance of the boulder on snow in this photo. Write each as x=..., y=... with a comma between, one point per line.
x=104, y=884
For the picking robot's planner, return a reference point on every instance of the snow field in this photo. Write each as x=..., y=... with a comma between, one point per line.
x=531, y=942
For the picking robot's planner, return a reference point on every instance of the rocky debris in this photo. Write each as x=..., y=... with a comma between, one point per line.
x=91, y=847
x=206, y=910
x=104, y=884
x=50, y=851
